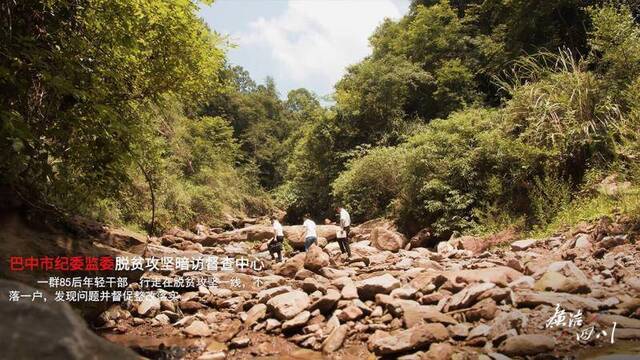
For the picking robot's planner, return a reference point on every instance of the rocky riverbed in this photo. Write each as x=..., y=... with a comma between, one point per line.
x=391, y=300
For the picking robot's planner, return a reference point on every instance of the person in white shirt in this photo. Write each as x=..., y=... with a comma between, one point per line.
x=201, y=230
x=310, y=235
x=345, y=226
x=275, y=245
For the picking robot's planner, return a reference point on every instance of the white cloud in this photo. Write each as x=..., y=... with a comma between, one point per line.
x=316, y=40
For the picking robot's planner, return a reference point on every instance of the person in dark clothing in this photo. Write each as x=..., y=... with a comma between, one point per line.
x=275, y=244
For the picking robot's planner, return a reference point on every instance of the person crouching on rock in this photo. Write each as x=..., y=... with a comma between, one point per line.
x=275, y=244
x=310, y=235
x=343, y=234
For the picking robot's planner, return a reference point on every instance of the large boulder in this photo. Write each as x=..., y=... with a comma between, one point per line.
x=364, y=230
x=329, y=232
x=295, y=234
x=48, y=330
x=249, y=233
x=412, y=339
x=291, y=266
x=286, y=306
x=316, y=259
x=472, y=243
x=385, y=239
x=424, y=238
x=383, y=284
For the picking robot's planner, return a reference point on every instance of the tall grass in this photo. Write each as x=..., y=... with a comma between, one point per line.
x=625, y=203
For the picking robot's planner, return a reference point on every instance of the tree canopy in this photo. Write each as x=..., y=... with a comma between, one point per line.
x=466, y=115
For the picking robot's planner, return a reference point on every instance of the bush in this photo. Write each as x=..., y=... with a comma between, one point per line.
x=549, y=196
x=563, y=108
x=370, y=183
x=460, y=166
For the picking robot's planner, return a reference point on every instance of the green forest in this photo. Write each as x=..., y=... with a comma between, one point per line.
x=467, y=117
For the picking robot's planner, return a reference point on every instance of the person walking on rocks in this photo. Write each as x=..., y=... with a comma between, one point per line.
x=275, y=244
x=310, y=235
x=345, y=227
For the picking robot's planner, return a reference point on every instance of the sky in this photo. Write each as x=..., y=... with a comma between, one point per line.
x=300, y=43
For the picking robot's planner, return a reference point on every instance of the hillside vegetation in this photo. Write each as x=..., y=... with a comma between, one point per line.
x=467, y=117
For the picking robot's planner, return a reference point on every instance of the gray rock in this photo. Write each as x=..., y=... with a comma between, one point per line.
x=49, y=330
